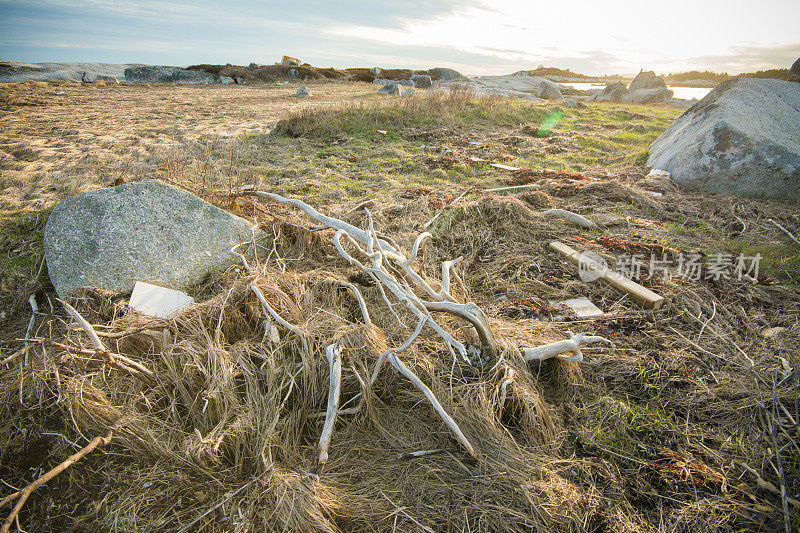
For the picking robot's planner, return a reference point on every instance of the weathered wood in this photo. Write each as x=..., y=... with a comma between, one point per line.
x=645, y=297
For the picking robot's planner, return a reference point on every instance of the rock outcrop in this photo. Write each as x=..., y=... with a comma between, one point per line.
x=160, y=74
x=549, y=91
x=647, y=80
x=141, y=231
x=743, y=139
x=651, y=96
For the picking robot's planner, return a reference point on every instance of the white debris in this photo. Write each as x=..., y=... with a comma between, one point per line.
x=158, y=301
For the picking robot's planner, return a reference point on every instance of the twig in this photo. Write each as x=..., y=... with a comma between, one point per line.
x=117, y=360
x=217, y=506
x=334, y=356
x=787, y=518
x=421, y=453
x=16, y=354
x=400, y=510
x=27, y=491
x=786, y=231
x=437, y=215
x=34, y=310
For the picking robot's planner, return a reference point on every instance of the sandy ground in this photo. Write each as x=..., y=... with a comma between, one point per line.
x=56, y=140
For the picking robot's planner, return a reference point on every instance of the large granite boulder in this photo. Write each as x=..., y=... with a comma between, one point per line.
x=743, y=139
x=647, y=80
x=614, y=92
x=142, y=231
x=161, y=74
x=658, y=95
x=423, y=81
x=392, y=87
x=549, y=91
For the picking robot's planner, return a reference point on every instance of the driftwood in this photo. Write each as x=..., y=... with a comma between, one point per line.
x=334, y=356
x=392, y=271
x=569, y=216
x=558, y=348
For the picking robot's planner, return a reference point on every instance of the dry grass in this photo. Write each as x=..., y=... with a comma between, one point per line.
x=650, y=438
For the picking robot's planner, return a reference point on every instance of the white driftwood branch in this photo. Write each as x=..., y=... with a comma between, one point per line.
x=279, y=319
x=508, y=379
x=446, y=418
x=334, y=356
x=569, y=216
x=558, y=348
x=84, y=324
x=383, y=259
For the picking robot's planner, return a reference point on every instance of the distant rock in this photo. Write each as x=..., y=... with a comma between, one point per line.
x=446, y=74
x=226, y=79
x=795, y=70
x=392, y=88
x=160, y=74
x=647, y=80
x=743, y=139
x=143, y=231
x=574, y=103
x=302, y=92
x=614, y=92
x=293, y=73
x=651, y=96
x=406, y=83
x=381, y=81
x=375, y=71
x=252, y=66
x=549, y=91
x=423, y=81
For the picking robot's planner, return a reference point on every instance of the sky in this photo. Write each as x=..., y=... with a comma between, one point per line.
x=472, y=36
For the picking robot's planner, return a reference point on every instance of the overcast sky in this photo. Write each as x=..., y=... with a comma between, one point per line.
x=472, y=36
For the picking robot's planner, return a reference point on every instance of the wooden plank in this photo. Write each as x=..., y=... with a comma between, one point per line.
x=645, y=297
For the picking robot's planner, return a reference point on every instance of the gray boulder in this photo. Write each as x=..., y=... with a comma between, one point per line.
x=141, y=231
x=423, y=81
x=302, y=92
x=614, y=92
x=293, y=73
x=392, y=88
x=375, y=71
x=226, y=79
x=651, y=96
x=406, y=83
x=252, y=66
x=795, y=70
x=446, y=74
x=743, y=139
x=381, y=81
x=647, y=80
x=549, y=91
x=574, y=104
x=409, y=92
x=160, y=74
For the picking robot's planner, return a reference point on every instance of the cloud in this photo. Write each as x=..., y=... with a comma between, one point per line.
x=749, y=58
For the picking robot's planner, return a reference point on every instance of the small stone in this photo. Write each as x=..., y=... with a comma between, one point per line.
x=302, y=92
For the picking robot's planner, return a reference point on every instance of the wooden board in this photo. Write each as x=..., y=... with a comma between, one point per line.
x=645, y=297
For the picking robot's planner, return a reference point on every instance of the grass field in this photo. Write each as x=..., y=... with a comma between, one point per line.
x=675, y=430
